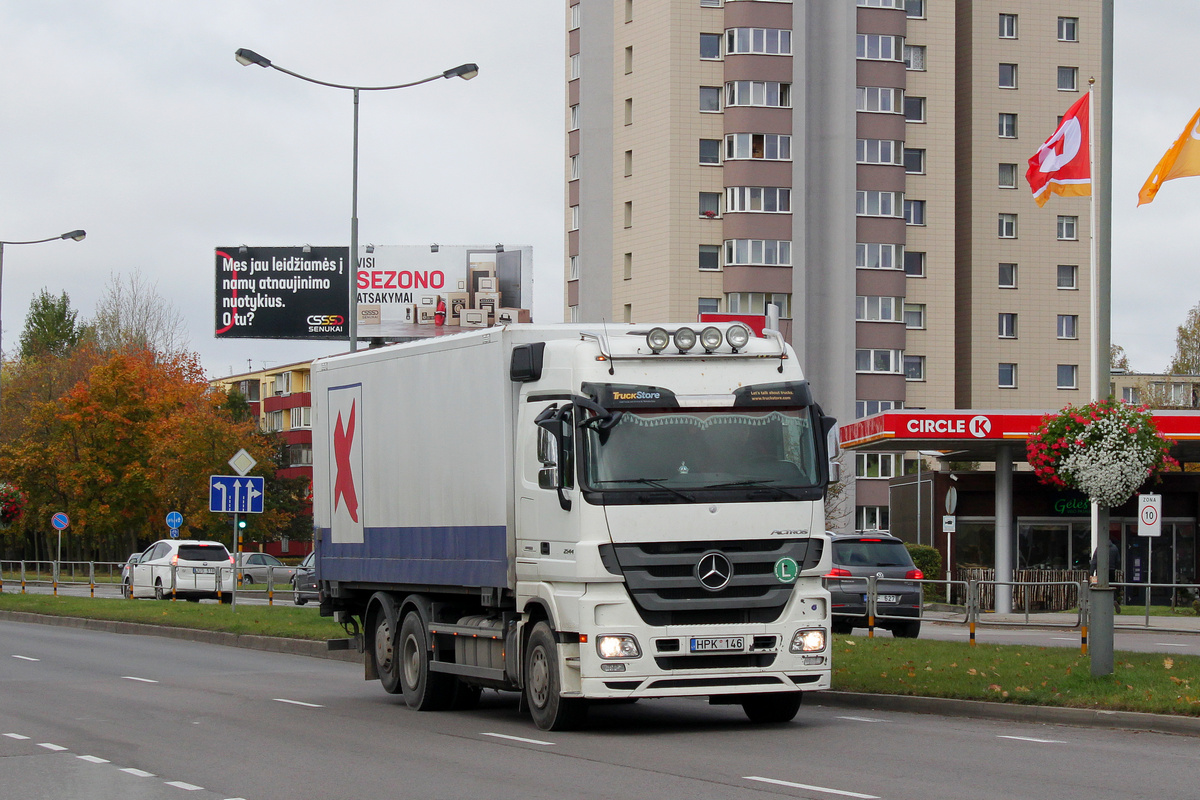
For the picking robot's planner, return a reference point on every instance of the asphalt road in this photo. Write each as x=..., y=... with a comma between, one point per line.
x=96, y=716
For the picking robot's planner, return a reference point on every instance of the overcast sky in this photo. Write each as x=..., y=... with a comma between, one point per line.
x=131, y=119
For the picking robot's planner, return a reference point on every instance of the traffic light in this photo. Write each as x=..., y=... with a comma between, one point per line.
x=241, y=524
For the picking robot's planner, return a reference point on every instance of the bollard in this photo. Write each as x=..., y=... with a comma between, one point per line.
x=22, y=577
x=270, y=587
x=1084, y=613
x=174, y=571
x=92, y=577
x=972, y=607
x=871, y=607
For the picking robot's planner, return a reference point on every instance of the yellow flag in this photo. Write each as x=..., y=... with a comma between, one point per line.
x=1182, y=160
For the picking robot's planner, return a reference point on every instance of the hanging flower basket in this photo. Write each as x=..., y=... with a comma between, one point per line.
x=12, y=504
x=1105, y=449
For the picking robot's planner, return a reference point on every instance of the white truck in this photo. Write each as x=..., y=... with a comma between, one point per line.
x=582, y=513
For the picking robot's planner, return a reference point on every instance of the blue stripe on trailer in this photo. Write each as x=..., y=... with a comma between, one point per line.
x=457, y=555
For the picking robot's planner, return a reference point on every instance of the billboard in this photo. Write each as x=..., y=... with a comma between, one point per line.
x=403, y=291
x=282, y=292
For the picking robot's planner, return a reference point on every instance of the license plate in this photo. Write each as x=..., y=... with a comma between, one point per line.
x=718, y=644
x=202, y=570
x=887, y=598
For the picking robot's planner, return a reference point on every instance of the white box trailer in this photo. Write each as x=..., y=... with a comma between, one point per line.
x=579, y=513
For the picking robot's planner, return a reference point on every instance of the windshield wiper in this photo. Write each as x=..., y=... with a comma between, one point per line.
x=760, y=484
x=657, y=483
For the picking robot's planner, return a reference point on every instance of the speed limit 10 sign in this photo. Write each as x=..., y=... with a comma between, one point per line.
x=1149, y=515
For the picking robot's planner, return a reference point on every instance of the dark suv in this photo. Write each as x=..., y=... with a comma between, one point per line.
x=883, y=556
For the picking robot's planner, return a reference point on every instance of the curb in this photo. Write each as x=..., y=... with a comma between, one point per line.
x=1046, y=715
x=271, y=644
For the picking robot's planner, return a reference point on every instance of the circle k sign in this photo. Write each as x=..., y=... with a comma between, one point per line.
x=977, y=426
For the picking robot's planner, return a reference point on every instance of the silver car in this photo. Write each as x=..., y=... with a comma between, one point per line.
x=254, y=568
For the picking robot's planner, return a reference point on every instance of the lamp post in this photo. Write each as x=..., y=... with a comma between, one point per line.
x=75, y=235
x=465, y=71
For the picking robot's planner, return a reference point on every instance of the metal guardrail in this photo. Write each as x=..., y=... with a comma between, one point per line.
x=1147, y=588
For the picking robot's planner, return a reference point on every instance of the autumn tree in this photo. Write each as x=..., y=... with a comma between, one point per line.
x=1118, y=358
x=132, y=316
x=1187, y=345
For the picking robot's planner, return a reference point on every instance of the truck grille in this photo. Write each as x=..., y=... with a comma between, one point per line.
x=663, y=583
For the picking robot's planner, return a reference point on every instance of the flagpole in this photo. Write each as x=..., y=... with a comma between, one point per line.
x=1093, y=279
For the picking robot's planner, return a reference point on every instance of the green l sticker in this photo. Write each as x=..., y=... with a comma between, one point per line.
x=786, y=570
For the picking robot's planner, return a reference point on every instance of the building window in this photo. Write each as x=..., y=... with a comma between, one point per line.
x=1007, y=226
x=914, y=316
x=629, y=60
x=573, y=266
x=914, y=57
x=710, y=204
x=628, y=213
x=1068, y=29
x=872, y=255
x=915, y=9
x=878, y=360
x=914, y=161
x=766, y=146
x=575, y=117
x=1008, y=26
x=710, y=3
x=1068, y=228
x=628, y=110
x=914, y=368
x=764, y=41
x=878, y=204
x=865, y=408
x=574, y=218
x=575, y=16
x=573, y=313
x=1007, y=326
x=876, y=47
x=1008, y=376
x=1068, y=276
x=1008, y=276
x=710, y=98
x=1068, y=376
x=881, y=3
x=1131, y=395
x=914, y=109
x=574, y=168
x=710, y=46
x=871, y=518
x=710, y=257
x=301, y=417
x=758, y=252
x=628, y=163
x=1068, y=79
x=880, y=99
x=872, y=308
x=757, y=302
x=299, y=455
x=770, y=94
x=710, y=151
x=758, y=198
x=875, y=465
x=1068, y=326
x=628, y=312
x=879, y=151
x=1008, y=176
x=1007, y=127
x=629, y=10
x=914, y=264
x=575, y=66
x=914, y=212
x=708, y=305
x=628, y=273
x=275, y=421
x=1008, y=76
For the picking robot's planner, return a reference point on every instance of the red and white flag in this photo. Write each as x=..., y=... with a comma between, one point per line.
x=1062, y=165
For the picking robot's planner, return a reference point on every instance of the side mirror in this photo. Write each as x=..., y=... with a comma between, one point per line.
x=548, y=478
x=547, y=448
x=554, y=448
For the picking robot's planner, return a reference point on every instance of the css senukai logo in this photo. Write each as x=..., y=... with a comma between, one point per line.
x=326, y=320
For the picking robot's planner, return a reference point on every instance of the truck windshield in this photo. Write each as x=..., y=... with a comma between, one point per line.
x=697, y=455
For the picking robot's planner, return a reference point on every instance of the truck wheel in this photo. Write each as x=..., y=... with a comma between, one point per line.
x=772, y=706
x=423, y=690
x=543, y=685
x=386, y=663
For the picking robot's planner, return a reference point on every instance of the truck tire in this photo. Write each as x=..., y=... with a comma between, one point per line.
x=543, y=685
x=423, y=690
x=771, y=707
x=386, y=663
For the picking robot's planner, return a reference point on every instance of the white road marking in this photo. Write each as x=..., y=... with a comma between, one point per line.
x=137, y=773
x=823, y=789
x=187, y=786
x=517, y=739
x=1032, y=739
x=297, y=703
x=15, y=736
x=94, y=759
x=135, y=678
x=1170, y=644
x=1063, y=639
x=27, y=658
x=861, y=719
x=49, y=746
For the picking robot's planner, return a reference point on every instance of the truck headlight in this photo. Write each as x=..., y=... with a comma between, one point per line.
x=617, y=645
x=809, y=640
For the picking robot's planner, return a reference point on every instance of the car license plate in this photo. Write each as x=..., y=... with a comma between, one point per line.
x=202, y=570
x=712, y=644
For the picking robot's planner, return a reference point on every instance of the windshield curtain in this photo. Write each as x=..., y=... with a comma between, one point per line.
x=703, y=449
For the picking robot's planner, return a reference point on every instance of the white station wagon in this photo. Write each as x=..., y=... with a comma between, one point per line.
x=194, y=565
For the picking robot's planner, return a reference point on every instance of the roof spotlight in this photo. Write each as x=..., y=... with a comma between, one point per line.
x=685, y=339
x=658, y=339
x=737, y=335
x=710, y=338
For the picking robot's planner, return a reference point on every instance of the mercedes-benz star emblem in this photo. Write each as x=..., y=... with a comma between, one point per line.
x=714, y=571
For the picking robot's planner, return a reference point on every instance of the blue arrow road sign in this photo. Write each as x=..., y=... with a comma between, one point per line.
x=234, y=494
x=174, y=520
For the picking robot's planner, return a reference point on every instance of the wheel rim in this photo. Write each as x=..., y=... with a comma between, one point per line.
x=412, y=661
x=383, y=646
x=539, y=677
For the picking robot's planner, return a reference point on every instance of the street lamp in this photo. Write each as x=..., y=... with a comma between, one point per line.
x=465, y=71
x=75, y=235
